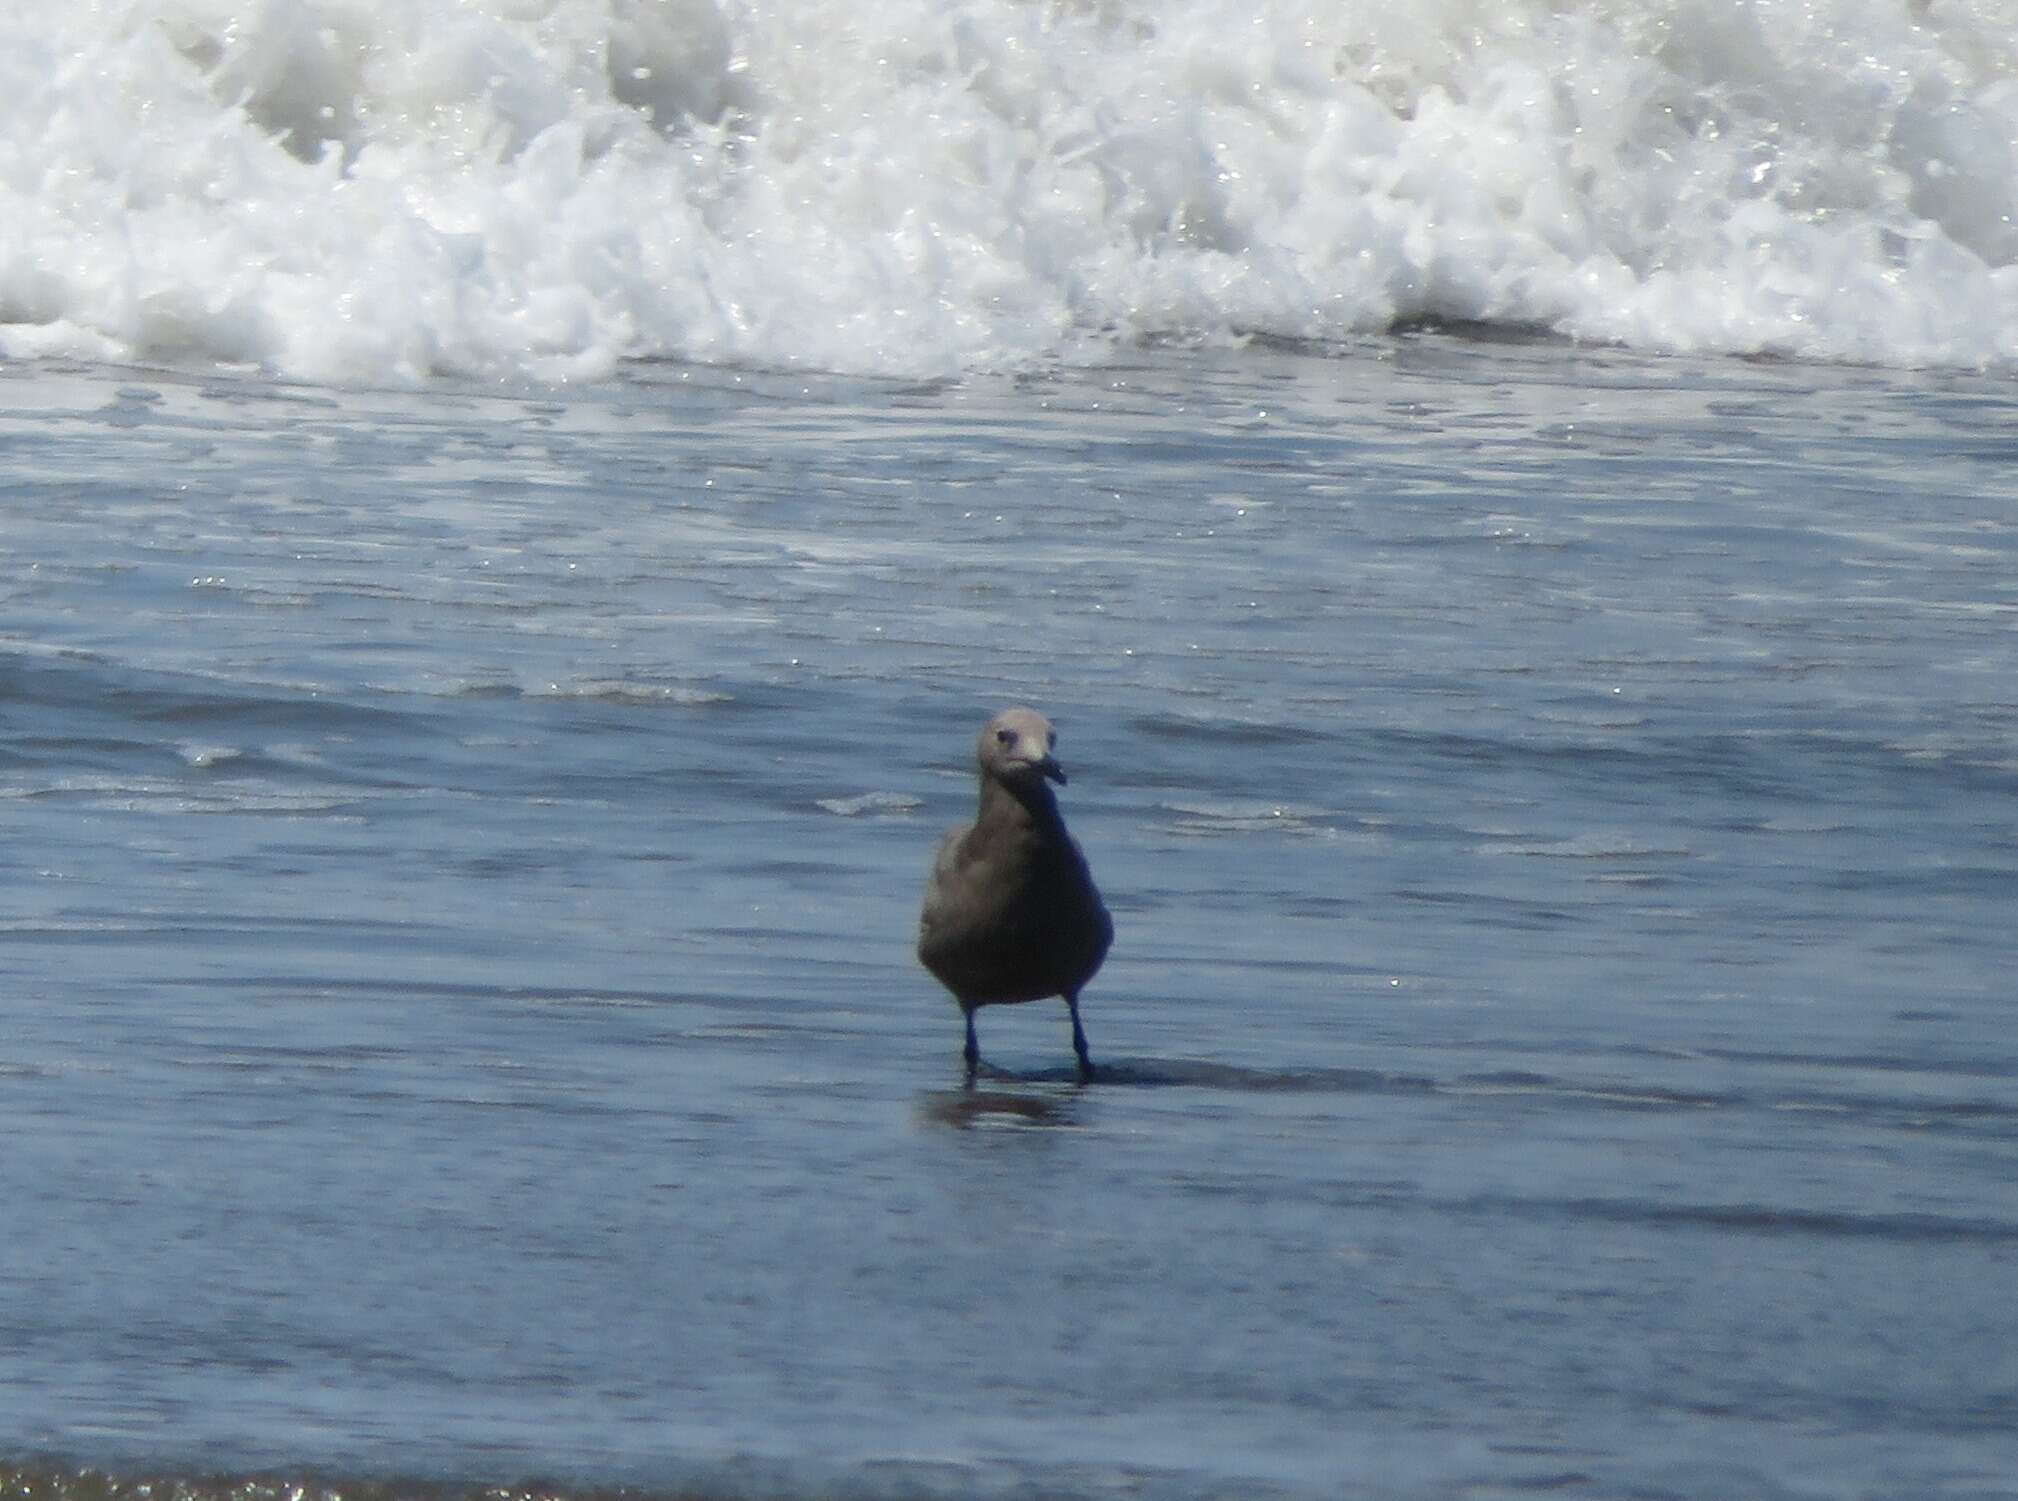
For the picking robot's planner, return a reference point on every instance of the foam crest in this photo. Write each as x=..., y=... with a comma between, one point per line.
x=541, y=189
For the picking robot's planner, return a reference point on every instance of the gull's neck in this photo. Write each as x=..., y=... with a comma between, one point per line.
x=1029, y=804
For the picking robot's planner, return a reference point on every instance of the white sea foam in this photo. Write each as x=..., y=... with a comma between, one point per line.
x=385, y=189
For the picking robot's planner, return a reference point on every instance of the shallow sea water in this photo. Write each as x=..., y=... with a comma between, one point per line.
x=462, y=853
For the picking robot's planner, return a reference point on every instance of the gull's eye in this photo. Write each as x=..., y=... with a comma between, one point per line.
x=1005, y=737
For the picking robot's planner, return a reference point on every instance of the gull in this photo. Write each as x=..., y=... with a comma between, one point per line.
x=1011, y=913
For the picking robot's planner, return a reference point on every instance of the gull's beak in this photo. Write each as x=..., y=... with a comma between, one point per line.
x=1050, y=767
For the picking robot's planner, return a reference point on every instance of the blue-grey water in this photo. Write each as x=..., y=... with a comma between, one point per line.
x=458, y=1021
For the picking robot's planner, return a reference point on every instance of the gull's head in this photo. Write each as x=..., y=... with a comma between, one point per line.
x=1015, y=749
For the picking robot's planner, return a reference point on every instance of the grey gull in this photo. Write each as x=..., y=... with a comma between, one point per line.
x=1011, y=913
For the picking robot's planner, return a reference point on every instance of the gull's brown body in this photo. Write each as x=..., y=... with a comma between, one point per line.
x=1011, y=913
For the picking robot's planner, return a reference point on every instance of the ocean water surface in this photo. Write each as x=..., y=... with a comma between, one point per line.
x=463, y=850
x=512, y=513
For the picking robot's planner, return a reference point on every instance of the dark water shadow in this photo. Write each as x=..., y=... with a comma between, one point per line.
x=1048, y=1096
x=1053, y=1096
x=1198, y=1073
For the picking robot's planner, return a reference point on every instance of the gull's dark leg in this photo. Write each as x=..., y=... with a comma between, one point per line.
x=1078, y=1037
x=972, y=1052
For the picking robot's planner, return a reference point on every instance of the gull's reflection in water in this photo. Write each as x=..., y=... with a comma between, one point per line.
x=964, y=1108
